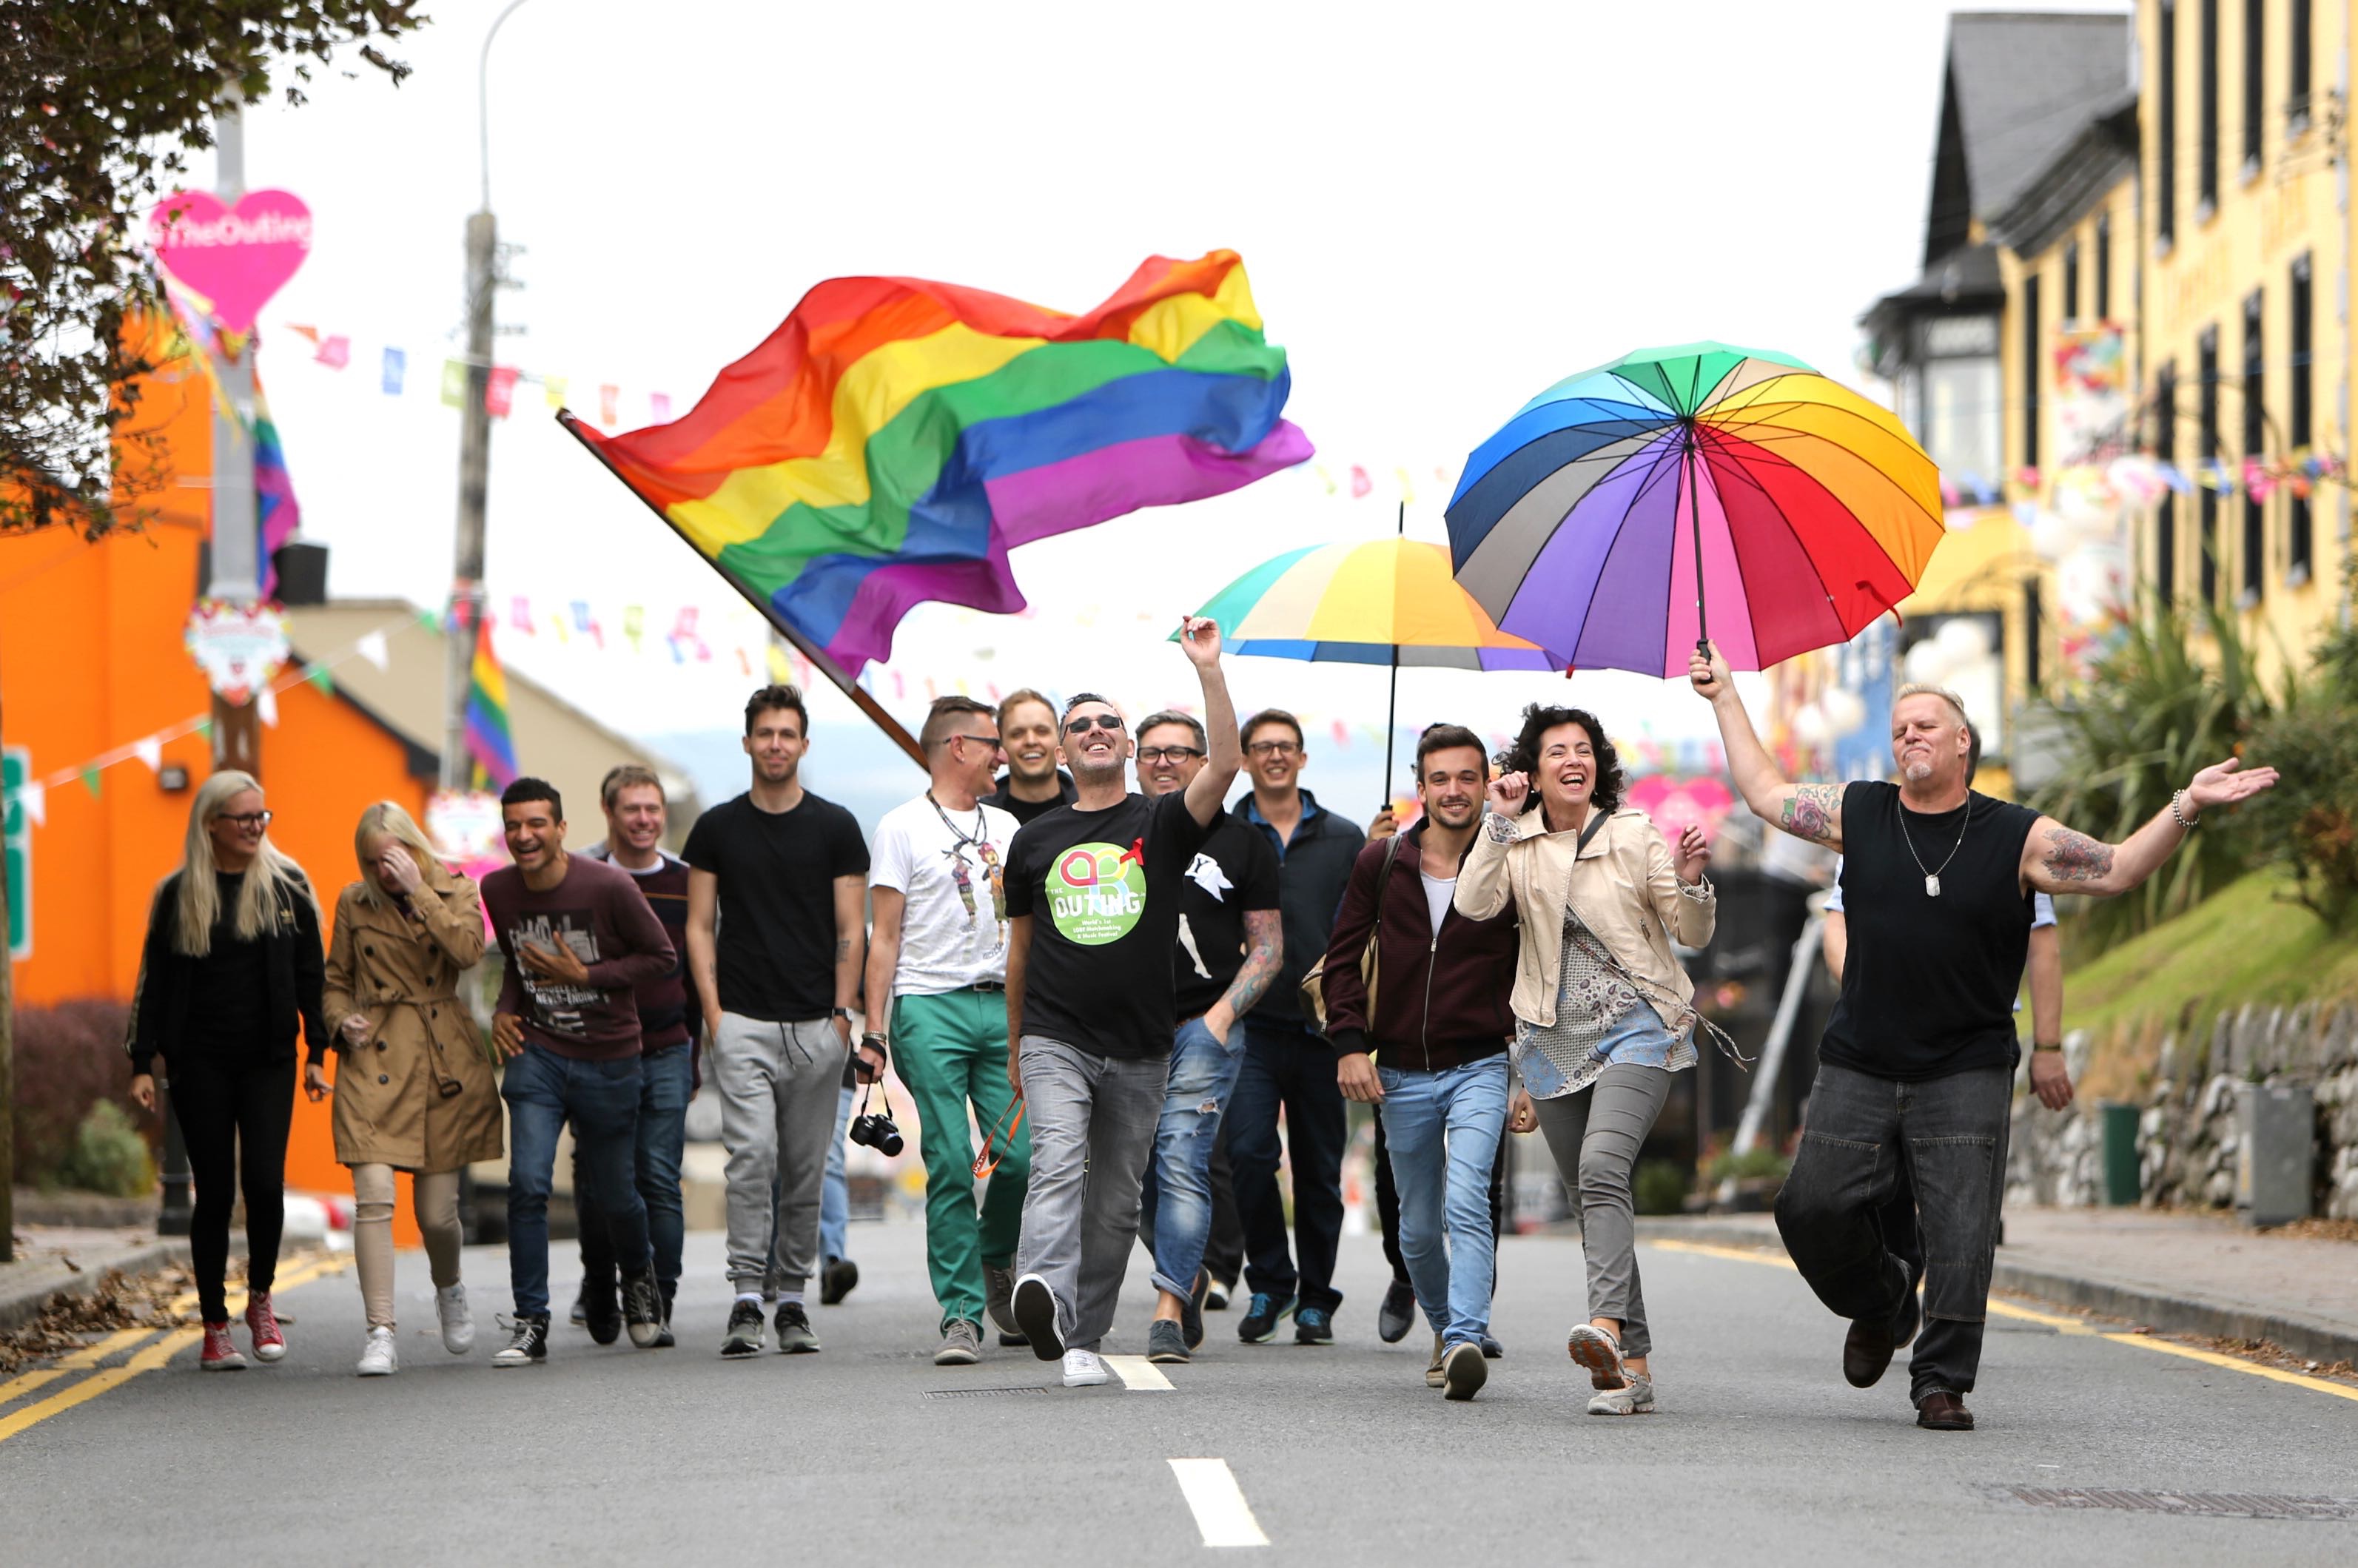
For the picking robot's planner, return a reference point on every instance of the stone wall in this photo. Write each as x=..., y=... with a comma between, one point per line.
x=2187, y=1131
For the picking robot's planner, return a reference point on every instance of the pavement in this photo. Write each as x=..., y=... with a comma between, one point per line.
x=73, y=1260
x=2183, y=1274
x=2093, y=1448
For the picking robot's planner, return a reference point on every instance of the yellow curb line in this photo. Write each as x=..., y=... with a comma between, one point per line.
x=146, y=1360
x=88, y=1356
x=2061, y=1326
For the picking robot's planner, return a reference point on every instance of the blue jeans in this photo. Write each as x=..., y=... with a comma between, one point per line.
x=1443, y=1131
x=1175, y=1203
x=835, y=1192
x=544, y=1091
x=666, y=1080
x=1287, y=1068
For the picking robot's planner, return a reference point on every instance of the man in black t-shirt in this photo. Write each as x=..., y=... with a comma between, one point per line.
x=1231, y=942
x=1917, y=1058
x=777, y=892
x=1093, y=916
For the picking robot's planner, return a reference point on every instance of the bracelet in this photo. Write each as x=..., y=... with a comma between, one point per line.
x=2036, y=1046
x=2185, y=823
x=873, y=1038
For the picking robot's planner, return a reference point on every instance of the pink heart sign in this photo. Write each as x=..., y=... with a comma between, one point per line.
x=236, y=257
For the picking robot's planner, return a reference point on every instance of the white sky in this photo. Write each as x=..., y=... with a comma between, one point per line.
x=1443, y=210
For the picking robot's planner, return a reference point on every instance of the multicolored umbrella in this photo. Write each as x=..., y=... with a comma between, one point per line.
x=1621, y=504
x=1388, y=601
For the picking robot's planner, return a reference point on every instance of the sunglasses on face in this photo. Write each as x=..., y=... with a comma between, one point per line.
x=992, y=741
x=1153, y=755
x=1102, y=721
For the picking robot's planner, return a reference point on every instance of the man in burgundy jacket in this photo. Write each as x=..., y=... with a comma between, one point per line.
x=1432, y=1048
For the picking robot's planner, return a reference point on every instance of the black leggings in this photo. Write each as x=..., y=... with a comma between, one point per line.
x=235, y=1118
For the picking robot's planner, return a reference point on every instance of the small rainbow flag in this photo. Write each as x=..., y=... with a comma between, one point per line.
x=894, y=438
x=280, y=513
x=487, y=741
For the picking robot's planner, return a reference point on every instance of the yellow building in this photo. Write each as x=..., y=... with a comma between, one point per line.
x=2245, y=233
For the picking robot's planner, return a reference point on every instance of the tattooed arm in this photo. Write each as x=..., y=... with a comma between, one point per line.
x=1809, y=811
x=1264, y=955
x=2057, y=859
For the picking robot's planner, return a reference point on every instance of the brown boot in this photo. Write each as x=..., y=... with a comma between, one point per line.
x=1941, y=1410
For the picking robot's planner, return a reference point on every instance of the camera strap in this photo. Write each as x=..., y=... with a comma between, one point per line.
x=999, y=1140
x=875, y=1087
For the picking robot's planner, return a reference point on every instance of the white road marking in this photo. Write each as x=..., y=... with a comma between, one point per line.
x=1138, y=1375
x=1217, y=1503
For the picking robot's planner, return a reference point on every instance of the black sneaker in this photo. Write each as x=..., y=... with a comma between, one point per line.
x=600, y=1311
x=1313, y=1325
x=1191, y=1311
x=663, y=1340
x=579, y=1316
x=1166, y=1341
x=794, y=1335
x=643, y=1307
x=837, y=1279
x=744, y=1335
x=1492, y=1350
x=1034, y=1306
x=1263, y=1314
x=1397, y=1315
x=527, y=1342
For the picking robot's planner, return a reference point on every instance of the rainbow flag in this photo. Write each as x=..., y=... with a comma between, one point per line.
x=487, y=741
x=894, y=438
x=280, y=513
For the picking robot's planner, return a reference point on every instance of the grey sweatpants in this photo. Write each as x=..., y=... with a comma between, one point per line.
x=779, y=1085
x=1093, y=1121
x=1594, y=1136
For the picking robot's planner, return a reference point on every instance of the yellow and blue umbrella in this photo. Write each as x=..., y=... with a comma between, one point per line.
x=1386, y=601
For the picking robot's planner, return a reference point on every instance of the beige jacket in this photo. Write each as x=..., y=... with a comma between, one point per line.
x=1623, y=886
x=403, y=976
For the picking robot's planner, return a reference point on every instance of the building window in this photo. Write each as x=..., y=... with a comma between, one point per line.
x=2030, y=367
x=2256, y=436
x=2206, y=110
x=2300, y=520
x=2071, y=282
x=2104, y=267
x=2296, y=70
x=2255, y=112
x=2165, y=515
x=2164, y=213
x=1961, y=417
x=2206, y=437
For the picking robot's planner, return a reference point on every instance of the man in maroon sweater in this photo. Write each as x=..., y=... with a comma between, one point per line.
x=1430, y=1047
x=578, y=939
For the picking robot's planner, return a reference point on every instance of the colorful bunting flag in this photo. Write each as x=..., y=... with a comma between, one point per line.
x=335, y=353
x=454, y=384
x=396, y=367
x=608, y=399
x=499, y=392
x=553, y=388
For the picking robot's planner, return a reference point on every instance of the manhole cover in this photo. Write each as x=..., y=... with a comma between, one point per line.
x=978, y=1393
x=2195, y=1505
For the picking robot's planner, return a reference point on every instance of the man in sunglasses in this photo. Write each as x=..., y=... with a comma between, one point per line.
x=1093, y=914
x=1230, y=945
x=937, y=1003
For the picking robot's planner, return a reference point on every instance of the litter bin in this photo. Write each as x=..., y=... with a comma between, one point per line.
x=2277, y=1150
x=2123, y=1181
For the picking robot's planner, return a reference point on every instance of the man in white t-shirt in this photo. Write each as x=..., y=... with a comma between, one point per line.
x=938, y=985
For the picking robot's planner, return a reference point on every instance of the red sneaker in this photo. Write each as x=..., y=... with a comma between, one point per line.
x=220, y=1354
x=262, y=1322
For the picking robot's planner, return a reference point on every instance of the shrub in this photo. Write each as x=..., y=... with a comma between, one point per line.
x=108, y=1155
x=1660, y=1187
x=1761, y=1160
x=69, y=1057
x=2310, y=821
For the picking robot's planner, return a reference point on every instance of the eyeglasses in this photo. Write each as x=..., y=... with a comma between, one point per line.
x=1102, y=721
x=1153, y=754
x=1273, y=748
x=253, y=821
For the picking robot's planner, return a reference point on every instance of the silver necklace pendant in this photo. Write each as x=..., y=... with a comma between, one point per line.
x=1932, y=884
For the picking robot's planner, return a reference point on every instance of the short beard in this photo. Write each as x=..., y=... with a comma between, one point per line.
x=1466, y=815
x=1085, y=774
x=1047, y=768
x=1916, y=773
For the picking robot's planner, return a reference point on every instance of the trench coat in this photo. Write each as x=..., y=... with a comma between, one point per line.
x=394, y=1106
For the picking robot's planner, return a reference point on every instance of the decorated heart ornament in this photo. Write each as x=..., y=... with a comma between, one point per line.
x=235, y=258
x=241, y=647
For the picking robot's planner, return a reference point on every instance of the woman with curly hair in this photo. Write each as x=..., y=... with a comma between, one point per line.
x=1603, y=1014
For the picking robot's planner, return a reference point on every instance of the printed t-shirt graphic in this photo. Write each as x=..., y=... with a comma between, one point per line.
x=1234, y=873
x=1101, y=888
x=951, y=869
x=557, y=1004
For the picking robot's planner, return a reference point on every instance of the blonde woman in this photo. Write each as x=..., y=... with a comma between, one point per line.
x=413, y=1087
x=1603, y=1014
x=231, y=969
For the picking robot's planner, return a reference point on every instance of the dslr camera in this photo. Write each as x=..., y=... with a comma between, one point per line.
x=876, y=1129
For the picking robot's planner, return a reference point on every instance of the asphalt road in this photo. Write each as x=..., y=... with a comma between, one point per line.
x=1760, y=1453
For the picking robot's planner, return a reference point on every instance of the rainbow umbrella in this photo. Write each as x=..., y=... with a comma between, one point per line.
x=1606, y=515
x=1388, y=601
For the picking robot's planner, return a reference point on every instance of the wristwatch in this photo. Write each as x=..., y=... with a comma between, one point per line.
x=842, y=1013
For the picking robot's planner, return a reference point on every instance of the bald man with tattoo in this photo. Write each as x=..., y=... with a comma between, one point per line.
x=1915, y=1073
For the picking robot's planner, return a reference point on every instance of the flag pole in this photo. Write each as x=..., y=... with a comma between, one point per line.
x=819, y=661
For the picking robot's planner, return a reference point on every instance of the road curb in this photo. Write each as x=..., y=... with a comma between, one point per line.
x=22, y=1301
x=2172, y=1311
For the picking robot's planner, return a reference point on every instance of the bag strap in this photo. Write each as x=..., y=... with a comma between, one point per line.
x=1384, y=881
x=1597, y=819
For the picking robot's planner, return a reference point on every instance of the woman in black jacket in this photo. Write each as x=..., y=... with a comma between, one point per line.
x=232, y=963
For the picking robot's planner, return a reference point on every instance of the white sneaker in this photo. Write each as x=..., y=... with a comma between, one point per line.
x=380, y=1359
x=1082, y=1370
x=458, y=1323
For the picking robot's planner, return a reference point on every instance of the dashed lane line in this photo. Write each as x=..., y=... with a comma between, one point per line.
x=2063, y=1325
x=1222, y=1515
x=1138, y=1375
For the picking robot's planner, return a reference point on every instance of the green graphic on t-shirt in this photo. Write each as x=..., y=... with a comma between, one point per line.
x=1096, y=893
